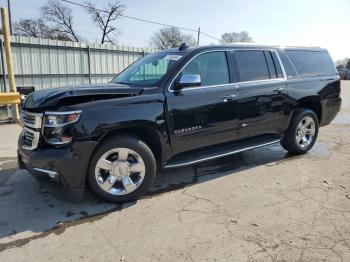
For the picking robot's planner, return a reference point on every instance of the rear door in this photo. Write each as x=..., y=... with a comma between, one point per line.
x=207, y=114
x=262, y=93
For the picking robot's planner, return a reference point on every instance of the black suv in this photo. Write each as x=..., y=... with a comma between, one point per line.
x=175, y=108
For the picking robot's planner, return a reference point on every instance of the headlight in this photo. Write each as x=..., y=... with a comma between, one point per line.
x=57, y=119
x=57, y=129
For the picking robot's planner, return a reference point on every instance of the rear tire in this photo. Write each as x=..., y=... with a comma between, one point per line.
x=302, y=132
x=122, y=169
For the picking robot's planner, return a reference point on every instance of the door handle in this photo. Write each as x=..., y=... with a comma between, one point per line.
x=229, y=98
x=278, y=90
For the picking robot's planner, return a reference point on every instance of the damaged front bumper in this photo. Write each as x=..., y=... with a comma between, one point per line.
x=63, y=170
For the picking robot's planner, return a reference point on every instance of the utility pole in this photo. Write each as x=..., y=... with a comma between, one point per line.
x=10, y=16
x=9, y=59
x=199, y=33
x=3, y=67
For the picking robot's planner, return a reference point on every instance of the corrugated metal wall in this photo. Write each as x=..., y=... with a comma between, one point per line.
x=45, y=63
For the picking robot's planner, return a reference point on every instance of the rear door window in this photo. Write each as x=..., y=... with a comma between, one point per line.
x=251, y=65
x=312, y=63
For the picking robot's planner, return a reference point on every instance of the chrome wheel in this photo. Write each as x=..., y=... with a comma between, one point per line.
x=305, y=132
x=120, y=171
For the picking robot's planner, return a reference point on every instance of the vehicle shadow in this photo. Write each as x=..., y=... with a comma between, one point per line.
x=26, y=206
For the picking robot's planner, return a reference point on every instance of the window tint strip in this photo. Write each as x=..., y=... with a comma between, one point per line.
x=270, y=64
x=277, y=65
x=234, y=74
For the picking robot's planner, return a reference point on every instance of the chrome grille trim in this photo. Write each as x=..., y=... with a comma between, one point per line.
x=51, y=174
x=33, y=120
x=30, y=138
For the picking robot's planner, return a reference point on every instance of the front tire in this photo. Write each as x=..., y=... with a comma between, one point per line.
x=302, y=132
x=122, y=169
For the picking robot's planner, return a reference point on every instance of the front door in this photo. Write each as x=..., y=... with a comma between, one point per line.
x=207, y=114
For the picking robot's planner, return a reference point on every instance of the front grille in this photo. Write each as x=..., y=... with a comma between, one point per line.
x=28, y=120
x=30, y=138
x=32, y=120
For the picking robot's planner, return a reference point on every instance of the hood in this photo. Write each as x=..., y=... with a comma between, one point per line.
x=78, y=94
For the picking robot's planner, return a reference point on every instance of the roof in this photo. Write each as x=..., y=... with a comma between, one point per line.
x=257, y=46
x=241, y=46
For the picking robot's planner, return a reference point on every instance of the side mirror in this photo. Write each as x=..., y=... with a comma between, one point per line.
x=187, y=80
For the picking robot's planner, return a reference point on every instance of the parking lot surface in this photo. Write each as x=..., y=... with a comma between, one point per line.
x=261, y=205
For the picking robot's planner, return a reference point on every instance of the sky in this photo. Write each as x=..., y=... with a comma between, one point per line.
x=322, y=23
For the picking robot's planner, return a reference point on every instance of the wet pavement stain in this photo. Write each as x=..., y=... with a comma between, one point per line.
x=69, y=214
x=84, y=213
x=57, y=230
x=7, y=192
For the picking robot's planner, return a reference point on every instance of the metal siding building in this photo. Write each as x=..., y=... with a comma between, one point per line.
x=45, y=63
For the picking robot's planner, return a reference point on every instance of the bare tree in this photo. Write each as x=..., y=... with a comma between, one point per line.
x=104, y=17
x=168, y=37
x=36, y=28
x=31, y=27
x=236, y=37
x=60, y=19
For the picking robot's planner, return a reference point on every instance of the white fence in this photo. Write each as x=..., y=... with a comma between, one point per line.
x=45, y=63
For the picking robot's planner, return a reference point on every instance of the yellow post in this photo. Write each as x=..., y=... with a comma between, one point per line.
x=9, y=58
x=12, y=98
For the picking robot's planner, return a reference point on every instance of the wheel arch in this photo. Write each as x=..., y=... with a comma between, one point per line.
x=154, y=138
x=312, y=103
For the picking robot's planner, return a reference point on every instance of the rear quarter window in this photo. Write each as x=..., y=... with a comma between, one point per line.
x=312, y=63
x=287, y=64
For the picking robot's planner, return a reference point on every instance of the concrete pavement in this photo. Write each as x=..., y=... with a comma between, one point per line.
x=261, y=205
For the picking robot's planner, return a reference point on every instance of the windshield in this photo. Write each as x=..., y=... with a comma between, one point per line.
x=148, y=70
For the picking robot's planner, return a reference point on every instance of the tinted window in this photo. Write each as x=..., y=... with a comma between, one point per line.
x=272, y=69
x=277, y=65
x=288, y=66
x=251, y=65
x=212, y=67
x=312, y=63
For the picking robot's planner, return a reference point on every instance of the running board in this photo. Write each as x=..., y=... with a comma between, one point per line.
x=226, y=150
